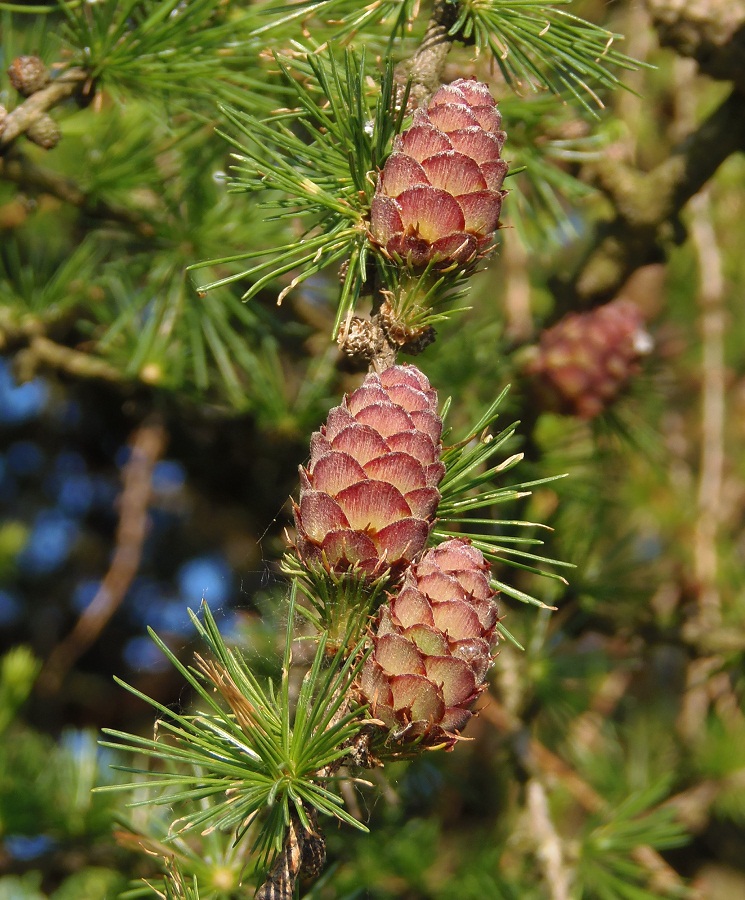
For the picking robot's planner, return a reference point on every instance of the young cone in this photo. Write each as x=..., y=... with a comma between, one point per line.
x=433, y=647
x=440, y=193
x=586, y=360
x=369, y=494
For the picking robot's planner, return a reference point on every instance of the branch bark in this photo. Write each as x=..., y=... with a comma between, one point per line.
x=426, y=65
x=710, y=31
x=713, y=319
x=648, y=207
x=549, y=847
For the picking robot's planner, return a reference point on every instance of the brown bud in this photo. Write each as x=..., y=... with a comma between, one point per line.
x=359, y=340
x=44, y=132
x=28, y=74
x=410, y=339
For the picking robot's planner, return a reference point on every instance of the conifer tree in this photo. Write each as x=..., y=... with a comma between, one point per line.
x=309, y=217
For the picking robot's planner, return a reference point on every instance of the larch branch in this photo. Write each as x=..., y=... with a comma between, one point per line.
x=66, y=85
x=648, y=207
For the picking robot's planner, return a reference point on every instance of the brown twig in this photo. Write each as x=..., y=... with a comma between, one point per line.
x=517, y=307
x=18, y=121
x=304, y=852
x=648, y=205
x=425, y=67
x=586, y=730
x=28, y=340
x=43, y=352
x=706, y=668
x=147, y=445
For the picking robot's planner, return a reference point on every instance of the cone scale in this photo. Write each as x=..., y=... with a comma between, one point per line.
x=433, y=646
x=369, y=494
x=439, y=195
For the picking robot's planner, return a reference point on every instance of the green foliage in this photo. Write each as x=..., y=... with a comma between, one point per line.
x=468, y=487
x=23, y=887
x=211, y=865
x=608, y=869
x=18, y=671
x=63, y=774
x=536, y=45
x=718, y=757
x=35, y=281
x=346, y=16
x=338, y=606
x=177, y=887
x=91, y=883
x=256, y=756
x=130, y=47
x=316, y=162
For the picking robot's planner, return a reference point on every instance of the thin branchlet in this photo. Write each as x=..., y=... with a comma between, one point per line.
x=424, y=69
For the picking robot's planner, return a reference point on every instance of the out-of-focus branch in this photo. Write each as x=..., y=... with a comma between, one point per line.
x=549, y=845
x=18, y=121
x=648, y=206
x=29, y=176
x=35, y=350
x=539, y=761
x=710, y=31
x=44, y=352
x=517, y=309
x=712, y=325
x=147, y=446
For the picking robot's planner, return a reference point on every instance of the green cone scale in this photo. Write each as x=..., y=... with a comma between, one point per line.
x=434, y=644
x=369, y=494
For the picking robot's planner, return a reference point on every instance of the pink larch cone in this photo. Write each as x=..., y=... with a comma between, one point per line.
x=369, y=494
x=433, y=647
x=587, y=359
x=440, y=192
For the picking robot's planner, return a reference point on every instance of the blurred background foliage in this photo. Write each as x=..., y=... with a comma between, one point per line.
x=139, y=416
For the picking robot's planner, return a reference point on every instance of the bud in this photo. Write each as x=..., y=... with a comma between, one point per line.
x=44, y=132
x=433, y=646
x=440, y=193
x=369, y=494
x=412, y=339
x=28, y=74
x=586, y=360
